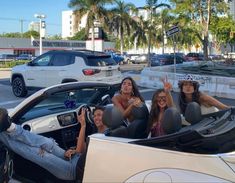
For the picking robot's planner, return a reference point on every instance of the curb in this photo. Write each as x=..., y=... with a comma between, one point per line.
x=5, y=69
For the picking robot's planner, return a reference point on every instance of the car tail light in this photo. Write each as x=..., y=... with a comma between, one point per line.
x=89, y=72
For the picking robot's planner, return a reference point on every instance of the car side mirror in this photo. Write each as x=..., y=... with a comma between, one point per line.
x=106, y=99
x=30, y=63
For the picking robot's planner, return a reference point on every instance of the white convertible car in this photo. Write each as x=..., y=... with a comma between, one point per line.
x=204, y=152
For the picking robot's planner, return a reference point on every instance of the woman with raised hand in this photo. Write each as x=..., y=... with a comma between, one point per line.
x=45, y=151
x=161, y=101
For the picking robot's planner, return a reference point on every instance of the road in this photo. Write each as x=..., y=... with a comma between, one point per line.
x=8, y=100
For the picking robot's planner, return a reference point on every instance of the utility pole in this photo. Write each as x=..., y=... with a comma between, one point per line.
x=40, y=17
x=21, y=27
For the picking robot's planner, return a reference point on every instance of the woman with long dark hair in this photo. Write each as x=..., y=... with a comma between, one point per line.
x=189, y=92
x=132, y=106
x=128, y=98
x=161, y=101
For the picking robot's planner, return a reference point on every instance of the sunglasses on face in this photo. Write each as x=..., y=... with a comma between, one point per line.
x=161, y=98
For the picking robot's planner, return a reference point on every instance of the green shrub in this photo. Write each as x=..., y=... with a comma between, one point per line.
x=10, y=64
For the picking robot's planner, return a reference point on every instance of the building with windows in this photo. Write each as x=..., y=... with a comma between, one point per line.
x=71, y=23
x=19, y=46
x=34, y=26
x=232, y=9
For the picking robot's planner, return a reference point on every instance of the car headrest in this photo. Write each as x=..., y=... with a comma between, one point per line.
x=119, y=132
x=193, y=113
x=140, y=112
x=171, y=122
x=112, y=117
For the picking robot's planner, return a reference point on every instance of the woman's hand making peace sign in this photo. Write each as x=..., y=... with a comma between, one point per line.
x=167, y=86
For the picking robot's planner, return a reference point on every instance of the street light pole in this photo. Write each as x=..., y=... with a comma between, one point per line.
x=40, y=30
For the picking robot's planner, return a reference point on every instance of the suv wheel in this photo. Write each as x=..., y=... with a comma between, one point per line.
x=18, y=87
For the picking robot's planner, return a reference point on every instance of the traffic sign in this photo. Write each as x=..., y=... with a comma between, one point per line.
x=172, y=31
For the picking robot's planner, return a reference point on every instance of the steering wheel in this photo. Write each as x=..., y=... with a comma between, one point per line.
x=88, y=113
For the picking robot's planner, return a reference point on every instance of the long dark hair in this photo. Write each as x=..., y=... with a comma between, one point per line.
x=136, y=92
x=195, y=96
x=154, y=112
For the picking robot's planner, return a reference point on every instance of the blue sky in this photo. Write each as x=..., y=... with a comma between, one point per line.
x=15, y=12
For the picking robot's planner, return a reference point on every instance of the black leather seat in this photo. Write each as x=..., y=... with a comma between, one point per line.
x=113, y=119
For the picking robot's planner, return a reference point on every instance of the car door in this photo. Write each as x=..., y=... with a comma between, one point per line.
x=36, y=71
x=59, y=68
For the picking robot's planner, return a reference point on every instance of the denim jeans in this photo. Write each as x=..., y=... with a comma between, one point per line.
x=41, y=150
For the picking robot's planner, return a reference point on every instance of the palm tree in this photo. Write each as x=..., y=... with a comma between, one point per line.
x=95, y=11
x=165, y=20
x=139, y=32
x=151, y=6
x=121, y=21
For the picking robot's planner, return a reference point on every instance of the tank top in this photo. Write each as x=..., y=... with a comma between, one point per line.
x=157, y=130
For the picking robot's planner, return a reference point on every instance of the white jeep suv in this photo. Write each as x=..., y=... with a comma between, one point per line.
x=63, y=66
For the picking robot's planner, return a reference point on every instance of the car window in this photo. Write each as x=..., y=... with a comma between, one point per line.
x=100, y=61
x=42, y=60
x=62, y=59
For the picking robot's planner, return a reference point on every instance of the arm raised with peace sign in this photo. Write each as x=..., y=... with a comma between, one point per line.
x=167, y=88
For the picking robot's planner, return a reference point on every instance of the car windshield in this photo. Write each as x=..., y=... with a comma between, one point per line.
x=100, y=61
x=62, y=102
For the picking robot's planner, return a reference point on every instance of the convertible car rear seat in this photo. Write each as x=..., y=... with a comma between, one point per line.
x=214, y=133
x=113, y=118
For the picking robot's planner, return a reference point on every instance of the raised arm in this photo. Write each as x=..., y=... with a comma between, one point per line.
x=81, y=144
x=167, y=89
x=211, y=101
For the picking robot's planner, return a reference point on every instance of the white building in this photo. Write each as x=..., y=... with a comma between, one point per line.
x=232, y=9
x=34, y=26
x=71, y=24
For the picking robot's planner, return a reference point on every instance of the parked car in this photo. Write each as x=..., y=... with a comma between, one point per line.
x=216, y=57
x=7, y=57
x=62, y=66
x=165, y=59
x=182, y=55
x=132, y=57
x=203, y=152
x=24, y=57
x=127, y=58
x=117, y=57
x=194, y=57
x=142, y=58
